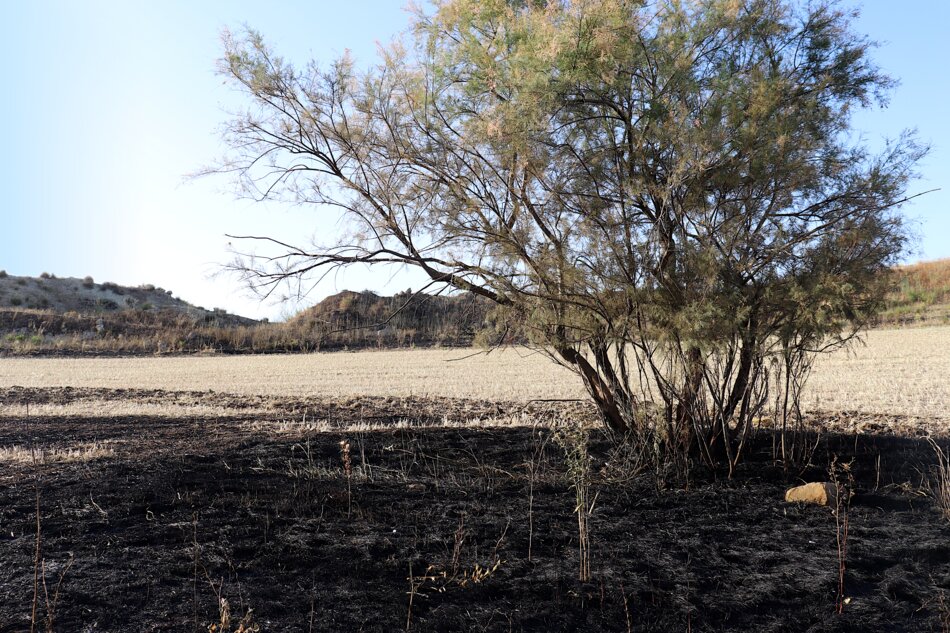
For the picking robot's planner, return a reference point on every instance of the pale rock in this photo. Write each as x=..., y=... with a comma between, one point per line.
x=822, y=493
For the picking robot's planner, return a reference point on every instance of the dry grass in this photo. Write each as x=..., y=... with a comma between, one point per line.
x=521, y=419
x=901, y=372
x=54, y=454
x=99, y=408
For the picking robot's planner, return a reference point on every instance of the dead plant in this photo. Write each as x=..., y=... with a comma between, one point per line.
x=943, y=611
x=940, y=486
x=51, y=604
x=39, y=537
x=458, y=542
x=224, y=624
x=39, y=564
x=573, y=439
x=348, y=471
x=533, y=466
x=843, y=479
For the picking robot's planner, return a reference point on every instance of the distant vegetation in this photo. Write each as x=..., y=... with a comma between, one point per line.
x=365, y=319
x=77, y=316
x=49, y=315
x=920, y=295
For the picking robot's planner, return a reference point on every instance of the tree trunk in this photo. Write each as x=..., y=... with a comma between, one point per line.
x=610, y=409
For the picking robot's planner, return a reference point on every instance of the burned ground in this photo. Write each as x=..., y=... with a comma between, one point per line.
x=185, y=509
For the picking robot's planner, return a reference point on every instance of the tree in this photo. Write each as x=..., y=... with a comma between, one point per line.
x=667, y=196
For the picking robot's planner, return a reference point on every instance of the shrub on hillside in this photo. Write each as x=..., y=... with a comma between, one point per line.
x=88, y=282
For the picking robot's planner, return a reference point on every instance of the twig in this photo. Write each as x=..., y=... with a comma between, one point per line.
x=412, y=593
x=626, y=609
x=51, y=606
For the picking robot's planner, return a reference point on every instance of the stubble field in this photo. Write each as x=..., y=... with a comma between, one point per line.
x=899, y=372
x=168, y=484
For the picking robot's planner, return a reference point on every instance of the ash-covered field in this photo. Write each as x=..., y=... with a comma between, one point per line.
x=442, y=515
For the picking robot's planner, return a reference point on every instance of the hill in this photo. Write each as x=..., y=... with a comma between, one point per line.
x=85, y=296
x=50, y=315
x=361, y=319
x=920, y=295
x=68, y=316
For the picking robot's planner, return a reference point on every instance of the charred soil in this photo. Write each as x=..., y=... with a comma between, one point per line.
x=444, y=529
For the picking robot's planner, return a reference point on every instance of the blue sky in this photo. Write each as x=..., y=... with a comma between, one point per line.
x=107, y=105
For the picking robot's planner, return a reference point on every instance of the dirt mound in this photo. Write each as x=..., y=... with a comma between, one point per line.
x=406, y=318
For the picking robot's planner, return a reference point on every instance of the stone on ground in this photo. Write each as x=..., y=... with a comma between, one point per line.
x=822, y=493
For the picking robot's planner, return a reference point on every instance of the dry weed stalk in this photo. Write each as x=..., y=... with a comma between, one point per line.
x=348, y=471
x=51, y=604
x=195, y=552
x=941, y=487
x=224, y=623
x=39, y=564
x=415, y=584
x=843, y=479
x=459, y=540
x=533, y=466
x=245, y=625
x=626, y=609
x=39, y=534
x=573, y=440
x=943, y=610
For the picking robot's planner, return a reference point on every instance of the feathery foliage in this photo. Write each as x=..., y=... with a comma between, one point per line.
x=665, y=195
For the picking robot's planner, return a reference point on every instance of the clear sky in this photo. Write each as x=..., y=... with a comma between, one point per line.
x=107, y=105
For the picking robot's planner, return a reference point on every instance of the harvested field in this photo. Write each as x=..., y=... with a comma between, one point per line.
x=900, y=372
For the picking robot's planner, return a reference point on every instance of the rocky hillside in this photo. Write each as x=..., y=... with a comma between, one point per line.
x=404, y=319
x=70, y=295
x=53, y=315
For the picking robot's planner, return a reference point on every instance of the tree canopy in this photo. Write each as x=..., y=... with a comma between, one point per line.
x=667, y=196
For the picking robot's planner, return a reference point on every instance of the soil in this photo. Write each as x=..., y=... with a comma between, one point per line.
x=445, y=529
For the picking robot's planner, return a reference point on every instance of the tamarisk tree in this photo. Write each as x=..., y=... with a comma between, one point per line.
x=668, y=197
